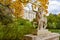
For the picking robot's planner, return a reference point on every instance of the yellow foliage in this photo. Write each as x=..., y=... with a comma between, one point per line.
x=44, y=4
x=46, y=11
x=2, y=1
x=18, y=8
x=43, y=1
x=5, y=2
x=24, y=2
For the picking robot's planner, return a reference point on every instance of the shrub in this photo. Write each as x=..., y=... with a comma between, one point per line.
x=13, y=29
x=16, y=30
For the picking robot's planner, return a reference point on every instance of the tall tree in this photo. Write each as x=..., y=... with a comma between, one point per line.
x=16, y=6
x=5, y=14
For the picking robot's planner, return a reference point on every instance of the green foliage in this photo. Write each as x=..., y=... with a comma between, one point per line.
x=34, y=22
x=55, y=30
x=12, y=29
x=16, y=30
x=53, y=21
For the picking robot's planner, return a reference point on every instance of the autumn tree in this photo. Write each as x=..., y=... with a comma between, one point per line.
x=44, y=4
x=5, y=2
x=5, y=15
x=16, y=6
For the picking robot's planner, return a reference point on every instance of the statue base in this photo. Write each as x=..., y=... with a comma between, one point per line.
x=42, y=35
x=43, y=32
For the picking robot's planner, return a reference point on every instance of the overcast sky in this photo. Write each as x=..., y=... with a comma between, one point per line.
x=54, y=6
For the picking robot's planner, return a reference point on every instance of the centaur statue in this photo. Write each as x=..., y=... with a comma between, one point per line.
x=40, y=18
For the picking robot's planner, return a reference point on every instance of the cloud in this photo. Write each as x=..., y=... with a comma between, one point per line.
x=54, y=6
x=54, y=0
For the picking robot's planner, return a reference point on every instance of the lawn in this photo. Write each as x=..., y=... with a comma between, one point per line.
x=55, y=30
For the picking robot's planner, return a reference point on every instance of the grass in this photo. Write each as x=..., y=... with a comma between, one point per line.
x=55, y=30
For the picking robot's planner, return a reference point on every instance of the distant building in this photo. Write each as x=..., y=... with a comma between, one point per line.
x=29, y=14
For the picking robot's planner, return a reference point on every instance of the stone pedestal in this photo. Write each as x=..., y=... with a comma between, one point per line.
x=52, y=36
x=30, y=37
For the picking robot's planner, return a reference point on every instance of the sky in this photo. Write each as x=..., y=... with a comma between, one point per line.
x=54, y=6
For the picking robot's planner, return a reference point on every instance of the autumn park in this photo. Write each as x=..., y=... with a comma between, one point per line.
x=29, y=20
